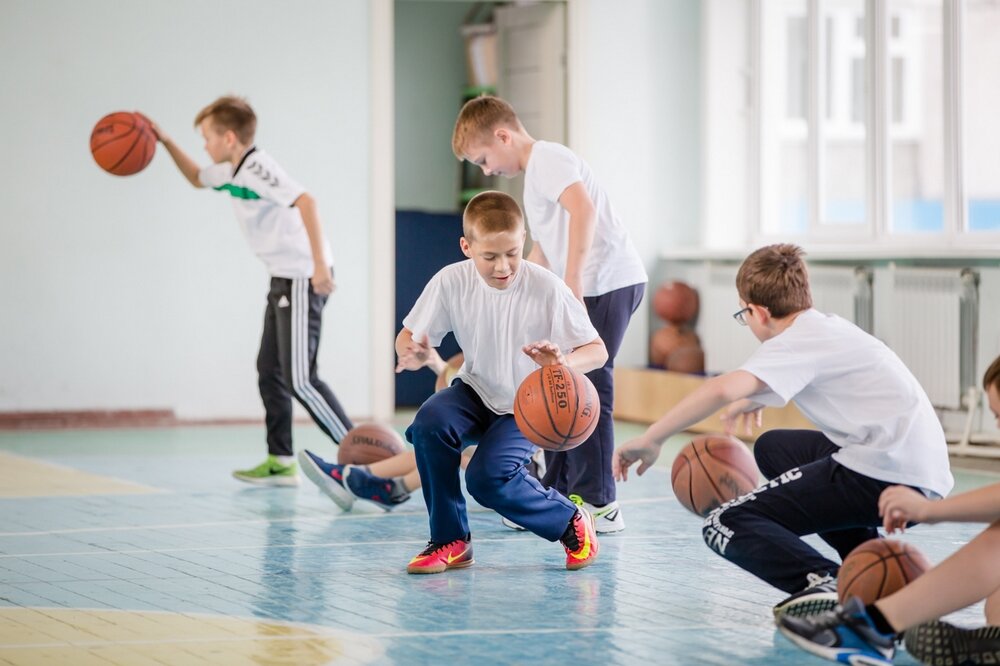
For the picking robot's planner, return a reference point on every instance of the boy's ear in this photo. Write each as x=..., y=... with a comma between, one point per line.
x=502, y=135
x=464, y=244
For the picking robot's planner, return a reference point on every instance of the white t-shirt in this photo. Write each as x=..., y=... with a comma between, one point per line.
x=860, y=395
x=263, y=195
x=613, y=261
x=492, y=325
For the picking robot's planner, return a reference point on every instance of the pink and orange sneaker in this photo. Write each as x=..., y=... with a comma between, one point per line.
x=437, y=557
x=580, y=540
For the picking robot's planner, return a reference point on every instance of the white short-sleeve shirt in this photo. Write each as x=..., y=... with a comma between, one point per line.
x=613, y=261
x=492, y=325
x=860, y=395
x=263, y=196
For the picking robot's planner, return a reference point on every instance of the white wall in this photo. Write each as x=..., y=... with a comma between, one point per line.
x=634, y=115
x=140, y=292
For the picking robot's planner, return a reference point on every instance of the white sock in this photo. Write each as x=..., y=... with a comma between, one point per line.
x=285, y=460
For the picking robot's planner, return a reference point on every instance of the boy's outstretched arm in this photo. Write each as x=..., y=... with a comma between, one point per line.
x=582, y=224
x=188, y=167
x=701, y=403
x=899, y=505
x=322, y=279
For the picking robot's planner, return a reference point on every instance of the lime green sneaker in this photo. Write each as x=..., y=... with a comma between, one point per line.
x=270, y=473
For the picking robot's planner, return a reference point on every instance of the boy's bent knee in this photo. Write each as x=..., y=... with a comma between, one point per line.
x=717, y=535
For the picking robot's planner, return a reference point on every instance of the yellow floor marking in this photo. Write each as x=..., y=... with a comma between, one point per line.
x=77, y=637
x=26, y=477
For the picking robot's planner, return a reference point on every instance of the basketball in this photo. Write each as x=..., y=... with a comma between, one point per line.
x=556, y=407
x=668, y=339
x=122, y=143
x=689, y=359
x=676, y=302
x=368, y=443
x=710, y=470
x=877, y=568
x=454, y=364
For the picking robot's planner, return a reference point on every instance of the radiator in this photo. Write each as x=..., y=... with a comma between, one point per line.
x=844, y=291
x=932, y=322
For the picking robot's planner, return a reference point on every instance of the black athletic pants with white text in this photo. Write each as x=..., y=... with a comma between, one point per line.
x=286, y=365
x=808, y=493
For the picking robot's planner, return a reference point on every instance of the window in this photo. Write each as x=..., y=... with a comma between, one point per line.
x=861, y=112
x=981, y=172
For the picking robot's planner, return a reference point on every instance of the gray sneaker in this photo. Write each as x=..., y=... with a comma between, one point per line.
x=819, y=596
x=941, y=644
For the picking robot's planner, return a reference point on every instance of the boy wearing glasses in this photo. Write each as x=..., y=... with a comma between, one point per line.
x=875, y=428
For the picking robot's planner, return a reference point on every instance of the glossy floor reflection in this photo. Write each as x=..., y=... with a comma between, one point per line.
x=136, y=547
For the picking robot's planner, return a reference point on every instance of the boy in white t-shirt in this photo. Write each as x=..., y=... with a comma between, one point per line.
x=877, y=428
x=280, y=222
x=578, y=235
x=509, y=317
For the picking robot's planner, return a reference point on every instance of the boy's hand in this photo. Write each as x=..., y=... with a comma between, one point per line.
x=544, y=353
x=160, y=135
x=747, y=411
x=322, y=281
x=415, y=356
x=899, y=505
x=639, y=450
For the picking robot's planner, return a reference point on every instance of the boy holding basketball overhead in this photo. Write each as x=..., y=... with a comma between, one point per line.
x=968, y=576
x=876, y=428
x=577, y=234
x=279, y=220
x=509, y=316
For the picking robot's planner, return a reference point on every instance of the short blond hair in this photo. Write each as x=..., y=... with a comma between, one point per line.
x=231, y=113
x=776, y=278
x=489, y=213
x=477, y=120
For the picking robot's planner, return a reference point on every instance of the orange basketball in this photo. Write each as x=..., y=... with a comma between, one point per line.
x=675, y=302
x=557, y=407
x=122, y=143
x=711, y=470
x=689, y=359
x=877, y=568
x=668, y=339
x=368, y=443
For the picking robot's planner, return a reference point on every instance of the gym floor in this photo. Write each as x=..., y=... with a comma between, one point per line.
x=136, y=547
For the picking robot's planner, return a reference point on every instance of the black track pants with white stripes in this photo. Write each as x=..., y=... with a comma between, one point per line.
x=286, y=365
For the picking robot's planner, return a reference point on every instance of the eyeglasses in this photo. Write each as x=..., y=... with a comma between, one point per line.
x=740, y=319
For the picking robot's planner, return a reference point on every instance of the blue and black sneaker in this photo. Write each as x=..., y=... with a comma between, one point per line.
x=846, y=635
x=328, y=477
x=380, y=491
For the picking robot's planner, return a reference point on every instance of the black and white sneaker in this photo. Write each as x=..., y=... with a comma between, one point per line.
x=941, y=644
x=819, y=596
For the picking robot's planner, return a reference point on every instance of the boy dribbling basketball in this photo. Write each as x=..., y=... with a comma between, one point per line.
x=509, y=316
x=281, y=224
x=876, y=428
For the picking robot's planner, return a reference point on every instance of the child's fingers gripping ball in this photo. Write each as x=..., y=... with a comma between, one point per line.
x=556, y=407
x=122, y=143
x=711, y=470
x=877, y=568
